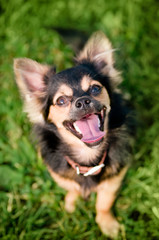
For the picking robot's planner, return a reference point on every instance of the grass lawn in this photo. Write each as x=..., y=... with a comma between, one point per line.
x=31, y=204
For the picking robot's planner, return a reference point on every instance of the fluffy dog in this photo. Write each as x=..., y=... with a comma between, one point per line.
x=82, y=125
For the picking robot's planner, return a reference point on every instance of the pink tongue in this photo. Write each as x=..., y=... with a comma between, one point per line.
x=89, y=128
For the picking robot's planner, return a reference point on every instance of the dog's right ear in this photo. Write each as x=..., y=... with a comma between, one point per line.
x=30, y=78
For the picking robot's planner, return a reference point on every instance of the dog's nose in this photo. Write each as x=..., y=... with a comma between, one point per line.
x=82, y=103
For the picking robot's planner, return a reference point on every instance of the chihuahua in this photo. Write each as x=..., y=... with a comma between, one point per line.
x=82, y=125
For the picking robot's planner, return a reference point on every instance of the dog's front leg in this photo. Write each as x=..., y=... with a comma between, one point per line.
x=106, y=221
x=72, y=188
x=106, y=194
x=70, y=200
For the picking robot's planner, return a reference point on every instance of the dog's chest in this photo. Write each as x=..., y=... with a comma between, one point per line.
x=83, y=154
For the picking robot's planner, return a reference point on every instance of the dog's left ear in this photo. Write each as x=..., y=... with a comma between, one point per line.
x=99, y=51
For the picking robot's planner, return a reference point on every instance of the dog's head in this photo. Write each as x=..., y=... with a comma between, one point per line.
x=77, y=100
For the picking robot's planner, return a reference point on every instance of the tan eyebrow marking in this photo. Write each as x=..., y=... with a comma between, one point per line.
x=85, y=83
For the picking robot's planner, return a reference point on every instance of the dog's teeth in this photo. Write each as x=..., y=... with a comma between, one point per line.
x=77, y=128
x=98, y=123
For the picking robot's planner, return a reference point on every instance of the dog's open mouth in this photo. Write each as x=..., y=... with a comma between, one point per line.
x=90, y=129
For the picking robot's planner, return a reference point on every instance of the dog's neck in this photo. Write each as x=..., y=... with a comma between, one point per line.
x=87, y=171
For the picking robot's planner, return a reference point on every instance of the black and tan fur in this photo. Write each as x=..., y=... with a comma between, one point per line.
x=41, y=89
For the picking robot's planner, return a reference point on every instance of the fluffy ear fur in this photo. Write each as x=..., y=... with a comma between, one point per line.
x=99, y=50
x=30, y=80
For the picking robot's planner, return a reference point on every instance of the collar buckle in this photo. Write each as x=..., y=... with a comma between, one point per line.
x=94, y=170
x=77, y=170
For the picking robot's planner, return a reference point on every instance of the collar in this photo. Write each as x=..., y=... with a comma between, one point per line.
x=86, y=171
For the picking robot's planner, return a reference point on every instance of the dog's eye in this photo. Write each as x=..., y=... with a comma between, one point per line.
x=62, y=101
x=95, y=90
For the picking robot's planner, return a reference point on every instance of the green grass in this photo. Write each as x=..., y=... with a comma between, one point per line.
x=31, y=204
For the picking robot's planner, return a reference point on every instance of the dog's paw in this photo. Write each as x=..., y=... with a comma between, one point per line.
x=108, y=224
x=69, y=207
x=70, y=201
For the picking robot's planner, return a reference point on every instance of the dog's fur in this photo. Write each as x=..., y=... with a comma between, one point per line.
x=90, y=88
